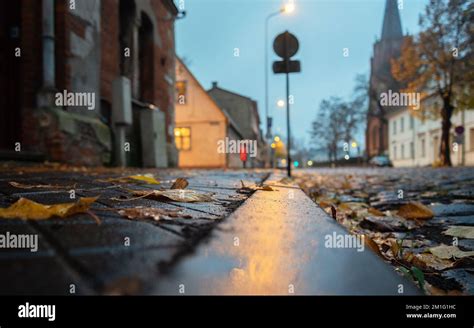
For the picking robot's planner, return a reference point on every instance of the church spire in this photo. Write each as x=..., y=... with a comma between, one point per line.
x=392, y=26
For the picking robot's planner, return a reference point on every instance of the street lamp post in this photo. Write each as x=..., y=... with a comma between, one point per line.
x=288, y=8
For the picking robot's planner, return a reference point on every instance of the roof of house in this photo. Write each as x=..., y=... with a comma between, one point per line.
x=227, y=116
x=253, y=102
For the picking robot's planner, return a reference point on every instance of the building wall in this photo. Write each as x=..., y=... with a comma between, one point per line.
x=206, y=120
x=156, y=85
x=425, y=135
x=72, y=135
x=87, y=57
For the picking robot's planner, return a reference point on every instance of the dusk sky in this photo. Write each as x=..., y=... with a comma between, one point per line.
x=212, y=29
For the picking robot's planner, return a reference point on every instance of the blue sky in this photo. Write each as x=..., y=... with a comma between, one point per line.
x=212, y=30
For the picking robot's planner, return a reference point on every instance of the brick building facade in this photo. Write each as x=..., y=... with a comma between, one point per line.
x=81, y=47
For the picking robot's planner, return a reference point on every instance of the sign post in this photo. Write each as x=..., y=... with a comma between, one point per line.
x=286, y=45
x=460, y=141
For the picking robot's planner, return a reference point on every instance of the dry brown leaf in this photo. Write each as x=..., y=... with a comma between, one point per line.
x=372, y=245
x=375, y=212
x=395, y=247
x=448, y=252
x=325, y=203
x=180, y=183
x=30, y=210
x=156, y=214
x=415, y=211
x=39, y=186
x=426, y=260
x=178, y=195
x=265, y=188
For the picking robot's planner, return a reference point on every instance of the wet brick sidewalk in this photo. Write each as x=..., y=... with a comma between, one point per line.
x=77, y=255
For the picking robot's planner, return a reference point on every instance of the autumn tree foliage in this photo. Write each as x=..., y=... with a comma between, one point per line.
x=439, y=62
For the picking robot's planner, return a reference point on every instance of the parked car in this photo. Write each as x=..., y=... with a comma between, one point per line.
x=380, y=161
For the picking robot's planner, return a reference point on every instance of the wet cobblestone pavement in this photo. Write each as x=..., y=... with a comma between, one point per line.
x=421, y=220
x=78, y=255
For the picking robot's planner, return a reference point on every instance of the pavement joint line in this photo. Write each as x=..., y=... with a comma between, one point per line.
x=85, y=278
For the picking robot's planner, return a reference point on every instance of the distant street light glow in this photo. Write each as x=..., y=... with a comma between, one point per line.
x=346, y=157
x=310, y=163
x=354, y=144
x=273, y=145
x=277, y=139
x=281, y=103
x=289, y=7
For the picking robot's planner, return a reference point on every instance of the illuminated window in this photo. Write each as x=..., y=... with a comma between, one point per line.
x=181, y=92
x=182, y=138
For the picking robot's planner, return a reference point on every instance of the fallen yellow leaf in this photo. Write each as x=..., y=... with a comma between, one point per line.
x=415, y=211
x=148, y=178
x=29, y=210
x=178, y=195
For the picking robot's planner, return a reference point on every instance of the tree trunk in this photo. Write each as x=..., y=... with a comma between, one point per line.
x=445, y=146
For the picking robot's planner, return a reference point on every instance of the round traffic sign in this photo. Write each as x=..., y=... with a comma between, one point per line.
x=459, y=129
x=286, y=45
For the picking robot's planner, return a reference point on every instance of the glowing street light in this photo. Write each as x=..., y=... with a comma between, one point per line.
x=273, y=145
x=354, y=144
x=277, y=139
x=310, y=163
x=287, y=8
x=281, y=103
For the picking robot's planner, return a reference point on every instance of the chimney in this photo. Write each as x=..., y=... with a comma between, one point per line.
x=214, y=84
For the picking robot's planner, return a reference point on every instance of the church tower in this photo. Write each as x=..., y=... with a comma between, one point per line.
x=381, y=80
